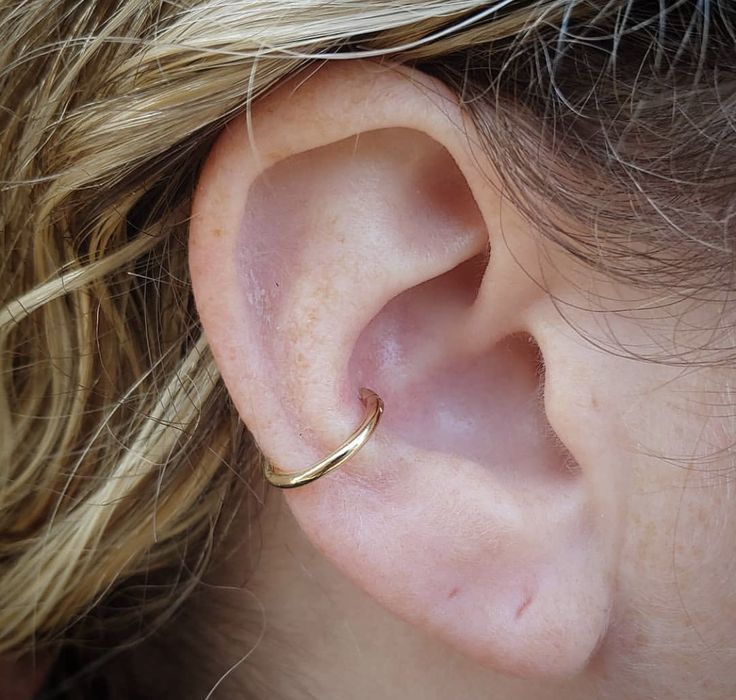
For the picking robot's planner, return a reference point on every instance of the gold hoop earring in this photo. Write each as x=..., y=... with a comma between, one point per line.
x=290, y=480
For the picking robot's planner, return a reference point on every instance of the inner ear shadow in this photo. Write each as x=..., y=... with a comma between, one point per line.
x=486, y=407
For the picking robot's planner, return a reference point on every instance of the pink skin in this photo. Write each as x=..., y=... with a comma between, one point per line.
x=514, y=504
x=466, y=480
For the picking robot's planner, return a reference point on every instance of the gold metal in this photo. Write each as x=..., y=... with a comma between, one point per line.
x=291, y=480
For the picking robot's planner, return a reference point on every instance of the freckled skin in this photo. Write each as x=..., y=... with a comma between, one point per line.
x=610, y=579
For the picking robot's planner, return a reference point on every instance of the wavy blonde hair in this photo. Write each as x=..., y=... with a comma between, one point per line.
x=120, y=451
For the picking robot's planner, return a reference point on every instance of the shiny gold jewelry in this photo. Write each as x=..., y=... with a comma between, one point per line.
x=291, y=480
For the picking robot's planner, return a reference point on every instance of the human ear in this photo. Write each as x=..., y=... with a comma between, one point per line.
x=354, y=234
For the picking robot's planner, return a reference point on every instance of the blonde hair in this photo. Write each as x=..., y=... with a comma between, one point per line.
x=120, y=449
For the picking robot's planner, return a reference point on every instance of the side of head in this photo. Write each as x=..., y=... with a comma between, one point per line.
x=512, y=223
x=500, y=506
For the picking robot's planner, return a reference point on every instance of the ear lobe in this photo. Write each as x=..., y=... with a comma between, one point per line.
x=336, y=252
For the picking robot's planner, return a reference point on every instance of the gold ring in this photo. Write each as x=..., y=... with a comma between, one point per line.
x=291, y=480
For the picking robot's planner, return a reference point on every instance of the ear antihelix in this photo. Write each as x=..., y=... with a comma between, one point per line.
x=294, y=479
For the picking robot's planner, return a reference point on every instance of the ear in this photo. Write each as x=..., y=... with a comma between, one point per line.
x=353, y=235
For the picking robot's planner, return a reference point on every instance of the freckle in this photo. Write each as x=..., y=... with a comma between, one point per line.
x=522, y=608
x=641, y=640
x=594, y=402
x=453, y=593
x=218, y=232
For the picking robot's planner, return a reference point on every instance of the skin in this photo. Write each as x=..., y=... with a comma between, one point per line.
x=669, y=635
x=546, y=509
